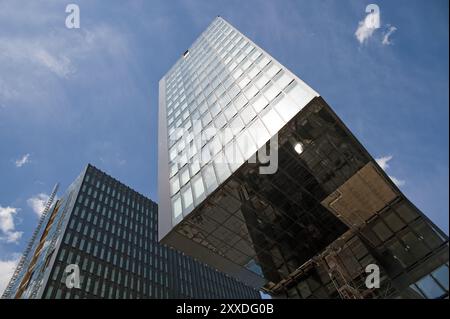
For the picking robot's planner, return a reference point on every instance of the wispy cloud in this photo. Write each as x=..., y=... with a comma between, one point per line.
x=37, y=203
x=366, y=27
x=384, y=161
x=23, y=160
x=398, y=182
x=369, y=25
x=384, y=164
x=52, y=55
x=60, y=65
x=386, y=37
x=58, y=53
x=7, y=225
x=7, y=267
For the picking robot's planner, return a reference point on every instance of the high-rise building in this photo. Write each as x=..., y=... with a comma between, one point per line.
x=259, y=178
x=106, y=233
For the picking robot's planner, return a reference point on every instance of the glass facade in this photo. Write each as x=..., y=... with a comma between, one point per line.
x=224, y=100
x=307, y=230
x=110, y=232
x=37, y=259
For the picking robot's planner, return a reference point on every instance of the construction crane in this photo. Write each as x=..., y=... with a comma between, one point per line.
x=50, y=249
x=24, y=257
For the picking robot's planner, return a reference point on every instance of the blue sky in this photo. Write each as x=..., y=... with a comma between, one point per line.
x=73, y=96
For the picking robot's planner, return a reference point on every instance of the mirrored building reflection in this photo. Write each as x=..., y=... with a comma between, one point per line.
x=310, y=228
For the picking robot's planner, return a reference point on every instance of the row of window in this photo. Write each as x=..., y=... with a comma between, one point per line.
x=232, y=144
x=197, y=59
x=434, y=285
x=217, y=35
x=97, y=275
x=128, y=196
x=108, y=247
x=114, y=251
x=231, y=77
x=221, y=79
x=94, y=267
x=101, y=218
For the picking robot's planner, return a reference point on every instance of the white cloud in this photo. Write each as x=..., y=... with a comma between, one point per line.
x=6, y=218
x=384, y=161
x=384, y=164
x=52, y=56
x=23, y=160
x=37, y=203
x=398, y=182
x=386, y=40
x=367, y=27
x=55, y=53
x=7, y=225
x=60, y=65
x=6, y=271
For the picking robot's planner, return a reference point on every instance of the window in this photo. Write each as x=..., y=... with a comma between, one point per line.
x=215, y=109
x=263, y=62
x=259, y=133
x=237, y=125
x=381, y=230
x=253, y=72
x=215, y=146
x=240, y=101
x=220, y=121
x=272, y=70
x=237, y=73
x=285, y=107
x=248, y=114
x=300, y=95
x=283, y=79
x=246, y=145
x=430, y=288
x=415, y=244
x=250, y=91
x=198, y=188
x=233, y=91
x=74, y=240
x=209, y=177
x=224, y=100
x=58, y=294
x=233, y=156
x=230, y=111
x=441, y=276
x=256, y=55
x=188, y=201
x=260, y=102
x=427, y=234
x=184, y=176
x=49, y=292
x=272, y=121
x=173, y=169
x=174, y=185
x=244, y=81
x=401, y=253
x=271, y=91
x=221, y=168
x=394, y=222
x=173, y=153
x=176, y=207
x=406, y=212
